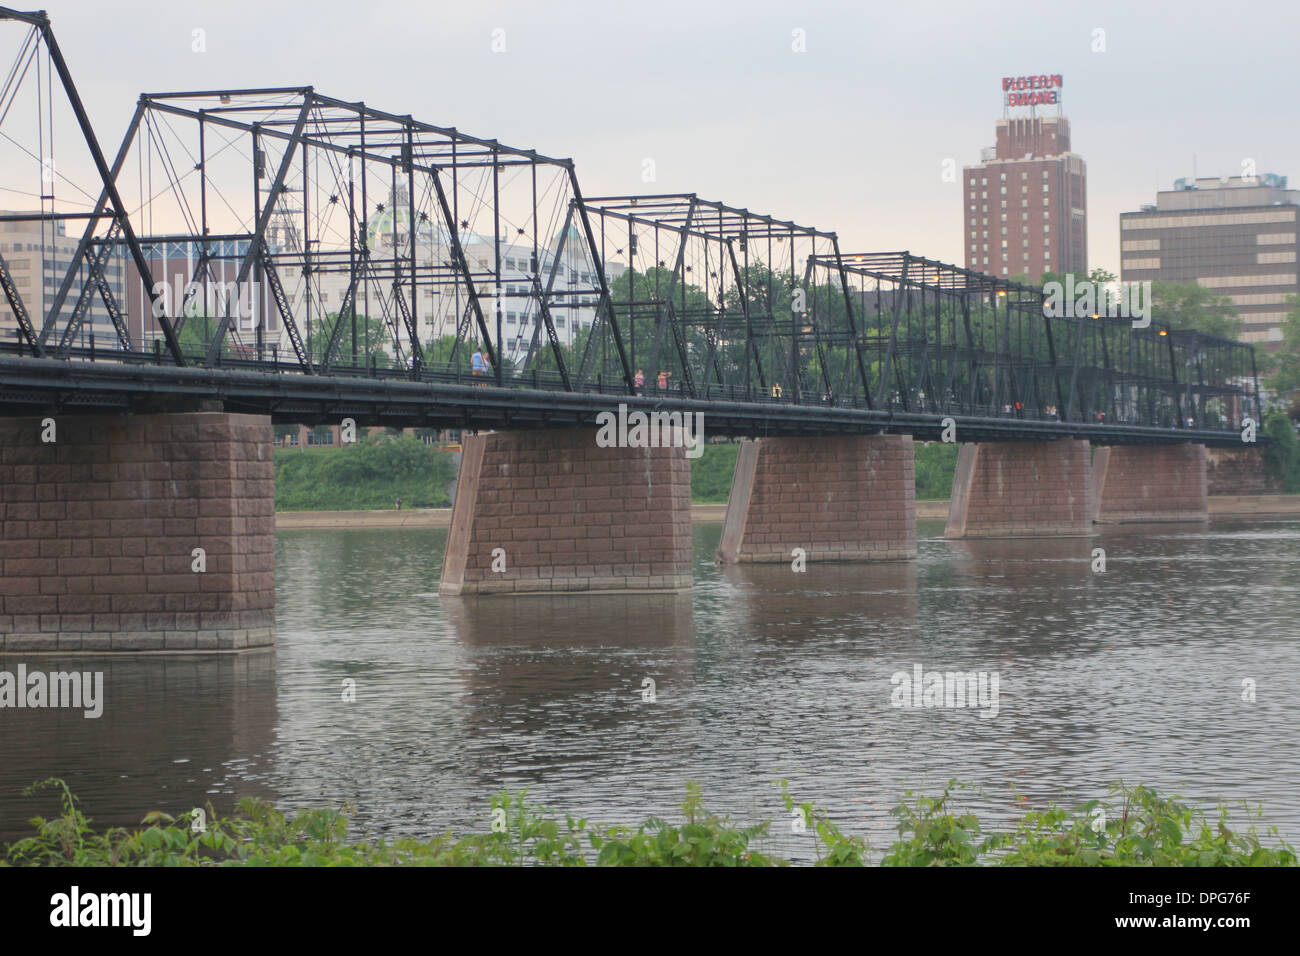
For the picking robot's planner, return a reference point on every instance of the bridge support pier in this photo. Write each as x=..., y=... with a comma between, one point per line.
x=137, y=533
x=1021, y=489
x=1138, y=483
x=550, y=510
x=838, y=499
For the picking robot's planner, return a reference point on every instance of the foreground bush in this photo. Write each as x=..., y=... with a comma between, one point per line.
x=1139, y=828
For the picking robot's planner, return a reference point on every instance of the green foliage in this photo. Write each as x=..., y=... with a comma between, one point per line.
x=1190, y=305
x=1286, y=378
x=366, y=476
x=1140, y=829
x=930, y=835
x=198, y=332
x=703, y=840
x=373, y=337
x=833, y=847
x=936, y=463
x=1282, y=454
x=711, y=473
x=1143, y=829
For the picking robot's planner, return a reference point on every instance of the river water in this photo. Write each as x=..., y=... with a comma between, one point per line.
x=1135, y=673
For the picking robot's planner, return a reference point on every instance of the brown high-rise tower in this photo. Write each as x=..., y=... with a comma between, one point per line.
x=1025, y=204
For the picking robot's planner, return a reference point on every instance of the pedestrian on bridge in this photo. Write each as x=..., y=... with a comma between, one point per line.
x=640, y=381
x=478, y=363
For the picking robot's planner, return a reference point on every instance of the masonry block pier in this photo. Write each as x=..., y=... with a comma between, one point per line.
x=550, y=510
x=839, y=499
x=1137, y=483
x=103, y=521
x=1021, y=489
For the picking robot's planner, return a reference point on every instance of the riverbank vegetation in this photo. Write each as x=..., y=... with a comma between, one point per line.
x=1135, y=826
x=372, y=473
x=365, y=476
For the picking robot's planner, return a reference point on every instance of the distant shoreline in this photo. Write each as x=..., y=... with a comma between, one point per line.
x=1220, y=506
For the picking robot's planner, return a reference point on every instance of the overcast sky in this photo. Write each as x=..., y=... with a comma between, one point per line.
x=850, y=135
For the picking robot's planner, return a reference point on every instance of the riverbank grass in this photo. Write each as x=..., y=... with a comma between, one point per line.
x=1135, y=826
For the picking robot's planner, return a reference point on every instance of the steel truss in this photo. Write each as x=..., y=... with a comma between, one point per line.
x=946, y=340
x=341, y=240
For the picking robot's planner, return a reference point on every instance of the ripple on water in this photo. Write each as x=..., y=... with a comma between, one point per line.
x=1134, y=674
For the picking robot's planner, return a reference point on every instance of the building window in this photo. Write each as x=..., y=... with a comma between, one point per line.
x=1046, y=187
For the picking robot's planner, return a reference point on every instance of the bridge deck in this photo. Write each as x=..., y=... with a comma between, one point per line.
x=442, y=399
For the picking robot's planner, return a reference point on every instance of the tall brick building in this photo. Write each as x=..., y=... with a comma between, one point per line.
x=1025, y=204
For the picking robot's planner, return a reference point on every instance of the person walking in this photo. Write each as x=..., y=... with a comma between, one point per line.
x=640, y=381
x=398, y=503
x=478, y=363
x=663, y=380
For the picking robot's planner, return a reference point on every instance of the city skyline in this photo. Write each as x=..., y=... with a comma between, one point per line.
x=728, y=110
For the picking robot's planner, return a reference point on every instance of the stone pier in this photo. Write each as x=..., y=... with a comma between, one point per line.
x=137, y=533
x=838, y=499
x=550, y=510
x=1021, y=489
x=1138, y=483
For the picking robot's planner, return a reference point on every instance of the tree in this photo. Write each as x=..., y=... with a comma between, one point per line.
x=1286, y=378
x=641, y=301
x=1282, y=454
x=373, y=332
x=198, y=332
x=1190, y=305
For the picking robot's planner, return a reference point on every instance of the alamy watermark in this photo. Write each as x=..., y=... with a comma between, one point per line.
x=651, y=430
x=923, y=688
x=241, y=300
x=76, y=689
x=77, y=909
x=1085, y=299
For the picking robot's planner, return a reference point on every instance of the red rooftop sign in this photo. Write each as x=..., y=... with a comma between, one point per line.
x=1041, y=90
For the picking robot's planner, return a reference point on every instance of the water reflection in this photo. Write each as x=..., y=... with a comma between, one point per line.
x=175, y=733
x=1135, y=673
x=559, y=666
